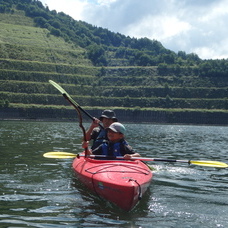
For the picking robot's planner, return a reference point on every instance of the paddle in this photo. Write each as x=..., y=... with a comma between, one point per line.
x=200, y=163
x=76, y=106
x=70, y=99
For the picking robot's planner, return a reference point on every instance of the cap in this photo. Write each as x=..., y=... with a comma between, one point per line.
x=117, y=127
x=108, y=114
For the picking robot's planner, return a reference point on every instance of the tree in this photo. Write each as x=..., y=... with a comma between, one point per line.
x=162, y=68
x=97, y=55
x=144, y=60
x=55, y=32
x=40, y=21
x=182, y=54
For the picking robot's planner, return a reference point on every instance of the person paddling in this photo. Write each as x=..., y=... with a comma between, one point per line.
x=96, y=133
x=116, y=145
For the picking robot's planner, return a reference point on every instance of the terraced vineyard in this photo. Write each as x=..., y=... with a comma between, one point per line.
x=30, y=56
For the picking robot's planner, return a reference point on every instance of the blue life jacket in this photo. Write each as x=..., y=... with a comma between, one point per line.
x=100, y=138
x=113, y=149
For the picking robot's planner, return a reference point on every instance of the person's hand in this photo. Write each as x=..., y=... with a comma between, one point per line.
x=127, y=156
x=85, y=144
x=130, y=156
x=95, y=123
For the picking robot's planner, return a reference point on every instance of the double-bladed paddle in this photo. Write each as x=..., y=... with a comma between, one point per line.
x=71, y=155
x=215, y=164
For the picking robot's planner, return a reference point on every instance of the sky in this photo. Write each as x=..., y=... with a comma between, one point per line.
x=192, y=26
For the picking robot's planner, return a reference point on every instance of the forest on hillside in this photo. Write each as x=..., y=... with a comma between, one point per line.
x=99, y=42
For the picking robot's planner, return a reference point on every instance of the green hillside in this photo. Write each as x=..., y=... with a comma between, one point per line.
x=140, y=79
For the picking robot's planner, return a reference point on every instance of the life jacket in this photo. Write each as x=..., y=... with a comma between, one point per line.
x=113, y=149
x=102, y=135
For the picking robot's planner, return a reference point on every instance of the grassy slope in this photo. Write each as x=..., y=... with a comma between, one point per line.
x=35, y=44
x=31, y=56
x=27, y=50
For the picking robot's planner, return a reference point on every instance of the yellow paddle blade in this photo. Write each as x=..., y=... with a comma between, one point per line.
x=59, y=155
x=210, y=163
x=58, y=87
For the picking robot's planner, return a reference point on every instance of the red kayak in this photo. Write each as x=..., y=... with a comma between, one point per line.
x=118, y=181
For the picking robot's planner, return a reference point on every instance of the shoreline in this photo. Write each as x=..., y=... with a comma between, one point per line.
x=187, y=117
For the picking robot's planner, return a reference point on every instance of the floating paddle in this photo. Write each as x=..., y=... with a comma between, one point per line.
x=200, y=163
x=71, y=100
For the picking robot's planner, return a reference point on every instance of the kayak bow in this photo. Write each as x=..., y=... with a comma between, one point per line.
x=119, y=181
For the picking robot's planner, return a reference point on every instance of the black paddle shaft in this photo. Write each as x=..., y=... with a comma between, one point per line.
x=172, y=160
x=79, y=107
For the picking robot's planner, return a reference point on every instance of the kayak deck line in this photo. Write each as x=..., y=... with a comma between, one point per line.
x=132, y=169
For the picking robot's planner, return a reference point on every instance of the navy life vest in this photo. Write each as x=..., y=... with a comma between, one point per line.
x=114, y=149
x=102, y=135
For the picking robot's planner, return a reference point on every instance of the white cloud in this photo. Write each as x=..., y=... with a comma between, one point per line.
x=197, y=26
x=162, y=28
x=74, y=8
x=105, y=2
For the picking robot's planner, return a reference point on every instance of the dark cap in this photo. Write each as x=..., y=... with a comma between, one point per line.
x=108, y=114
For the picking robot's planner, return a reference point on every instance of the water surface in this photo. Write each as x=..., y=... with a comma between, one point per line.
x=40, y=192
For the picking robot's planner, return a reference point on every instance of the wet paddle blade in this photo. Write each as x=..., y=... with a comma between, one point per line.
x=63, y=92
x=59, y=155
x=58, y=87
x=215, y=164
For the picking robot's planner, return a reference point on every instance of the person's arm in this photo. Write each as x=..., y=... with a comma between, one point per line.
x=94, y=124
x=85, y=144
x=129, y=152
x=129, y=156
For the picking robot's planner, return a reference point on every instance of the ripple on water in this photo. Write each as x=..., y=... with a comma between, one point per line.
x=40, y=192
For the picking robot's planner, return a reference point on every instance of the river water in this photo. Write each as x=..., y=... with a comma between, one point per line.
x=41, y=192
